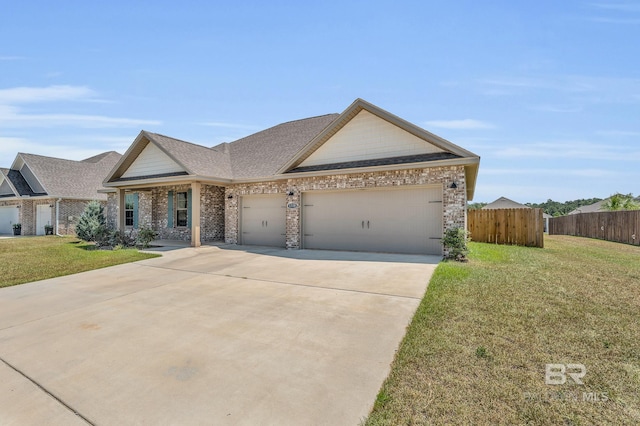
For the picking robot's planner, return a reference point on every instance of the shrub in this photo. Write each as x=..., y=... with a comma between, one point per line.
x=145, y=236
x=455, y=243
x=92, y=223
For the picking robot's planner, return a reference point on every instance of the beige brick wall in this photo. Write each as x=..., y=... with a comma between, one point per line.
x=153, y=212
x=69, y=213
x=453, y=200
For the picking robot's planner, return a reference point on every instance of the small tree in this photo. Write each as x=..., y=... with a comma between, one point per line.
x=620, y=201
x=455, y=243
x=92, y=223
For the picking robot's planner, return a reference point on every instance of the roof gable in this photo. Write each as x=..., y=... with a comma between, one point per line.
x=394, y=126
x=151, y=161
x=153, y=155
x=6, y=188
x=367, y=137
x=505, y=203
x=61, y=178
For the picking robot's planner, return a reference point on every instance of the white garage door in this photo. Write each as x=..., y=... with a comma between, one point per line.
x=8, y=216
x=43, y=217
x=263, y=220
x=389, y=220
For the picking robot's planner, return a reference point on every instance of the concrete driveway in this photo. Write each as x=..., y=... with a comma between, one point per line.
x=209, y=335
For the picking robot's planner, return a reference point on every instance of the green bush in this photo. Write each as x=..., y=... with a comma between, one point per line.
x=92, y=224
x=455, y=243
x=145, y=236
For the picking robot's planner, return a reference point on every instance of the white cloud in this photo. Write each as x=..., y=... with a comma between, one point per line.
x=621, y=7
x=23, y=95
x=618, y=133
x=570, y=149
x=538, y=172
x=11, y=117
x=9, y=148
x=465, y=124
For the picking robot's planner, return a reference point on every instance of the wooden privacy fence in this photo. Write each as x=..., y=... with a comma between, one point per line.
x=522, y=227
x=618, y=226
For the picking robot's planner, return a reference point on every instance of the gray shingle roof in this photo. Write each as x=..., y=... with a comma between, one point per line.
x=198, y=159
x=68, y=178
x=264, y=153
x=505, y=203
x=595, y=207
x=21, y=185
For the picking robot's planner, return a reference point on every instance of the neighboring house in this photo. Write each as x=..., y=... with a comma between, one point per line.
x=505, y=203
x=591, y=208
x=38, y=191
x=360, y=180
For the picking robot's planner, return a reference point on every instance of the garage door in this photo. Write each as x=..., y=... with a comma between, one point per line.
x=263, y=220
x=43, y=217
x=8, y=216
x=392, y=220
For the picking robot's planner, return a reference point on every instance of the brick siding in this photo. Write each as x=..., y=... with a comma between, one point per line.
x=453, y=199
x=153, y=212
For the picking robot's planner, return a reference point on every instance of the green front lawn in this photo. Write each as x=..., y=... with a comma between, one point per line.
x=37, y=258
x=476, y=350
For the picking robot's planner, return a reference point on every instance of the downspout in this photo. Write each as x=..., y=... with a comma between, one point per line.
x=58, y=217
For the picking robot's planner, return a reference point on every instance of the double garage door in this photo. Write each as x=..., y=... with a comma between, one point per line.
x=385, y=220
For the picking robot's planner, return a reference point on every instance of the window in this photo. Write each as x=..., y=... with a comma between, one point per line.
x=182, y=209
x=128, y=209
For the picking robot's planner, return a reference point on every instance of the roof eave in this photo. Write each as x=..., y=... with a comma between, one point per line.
x=163, y=181
x=467, y=162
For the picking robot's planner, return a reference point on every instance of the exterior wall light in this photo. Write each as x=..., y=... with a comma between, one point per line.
x=453, y=185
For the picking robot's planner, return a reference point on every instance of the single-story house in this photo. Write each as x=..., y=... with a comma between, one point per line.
x=591, y=208
x=506, y=203
x=37, y=191
x=363, y=180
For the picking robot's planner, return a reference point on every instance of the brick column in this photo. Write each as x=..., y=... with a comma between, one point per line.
x=120, y=222
x=195, y=214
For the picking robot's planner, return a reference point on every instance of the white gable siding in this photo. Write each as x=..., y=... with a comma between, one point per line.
x=152, y=161
x=28, y=175
x=5, y=188
x=368, y=137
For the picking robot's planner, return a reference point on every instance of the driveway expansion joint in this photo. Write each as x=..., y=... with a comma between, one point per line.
x=48, y=392
x=346, y=290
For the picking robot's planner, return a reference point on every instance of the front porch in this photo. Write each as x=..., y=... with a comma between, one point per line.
x=190, y=213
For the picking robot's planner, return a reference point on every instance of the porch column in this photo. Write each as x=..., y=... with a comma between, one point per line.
x=120, y=222
x=195, y=214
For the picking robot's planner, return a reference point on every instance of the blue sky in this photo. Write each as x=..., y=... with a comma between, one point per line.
x=546, y=92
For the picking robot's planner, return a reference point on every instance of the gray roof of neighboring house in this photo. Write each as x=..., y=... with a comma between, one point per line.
x=505, y=203
x=62, y=178
x=595, y=207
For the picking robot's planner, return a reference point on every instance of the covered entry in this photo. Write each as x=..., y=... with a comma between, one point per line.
x=263, y=220
x=384, y=220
